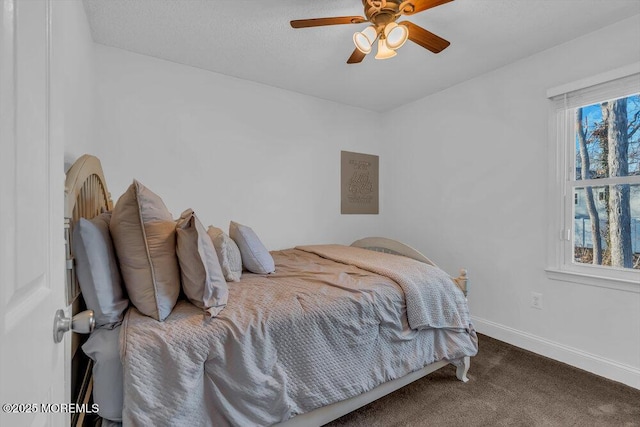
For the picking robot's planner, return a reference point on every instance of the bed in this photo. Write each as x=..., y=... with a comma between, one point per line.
x=332, y=329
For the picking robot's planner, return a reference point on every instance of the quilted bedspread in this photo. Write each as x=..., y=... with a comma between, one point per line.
x=313, y=333
x=432, y=299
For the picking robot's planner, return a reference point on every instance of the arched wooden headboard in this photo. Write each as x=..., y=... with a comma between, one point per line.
x=85, y=196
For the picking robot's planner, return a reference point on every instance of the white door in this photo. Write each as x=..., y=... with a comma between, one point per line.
x=32, y=369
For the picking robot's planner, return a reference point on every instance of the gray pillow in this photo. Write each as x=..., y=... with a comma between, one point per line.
x=255, y=257
x=97, y=270
x=228, y=254
x=202, y=279
x=144, y=235
x=103, y=347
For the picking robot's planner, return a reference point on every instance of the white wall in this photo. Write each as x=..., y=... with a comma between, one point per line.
x=72, y=92
x=230, y=149
x=468, y=188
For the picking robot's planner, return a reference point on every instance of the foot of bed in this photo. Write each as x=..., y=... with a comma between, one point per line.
x=462, y=281
x=461, y=371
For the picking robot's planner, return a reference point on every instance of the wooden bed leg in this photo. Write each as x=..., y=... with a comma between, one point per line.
x=461, y=371
x=462, y=281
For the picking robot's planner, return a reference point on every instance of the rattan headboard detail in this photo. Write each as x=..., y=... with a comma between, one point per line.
x=86, y=196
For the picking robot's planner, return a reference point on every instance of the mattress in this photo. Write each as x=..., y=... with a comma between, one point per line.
x=313, y=333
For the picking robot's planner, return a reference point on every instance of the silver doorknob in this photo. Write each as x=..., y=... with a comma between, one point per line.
x=82, y=323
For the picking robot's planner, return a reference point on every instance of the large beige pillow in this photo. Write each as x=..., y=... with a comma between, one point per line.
x=202, y=279
x=144, y=235
x=228, y=254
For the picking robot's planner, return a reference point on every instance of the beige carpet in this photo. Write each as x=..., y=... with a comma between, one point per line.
x=508, y=387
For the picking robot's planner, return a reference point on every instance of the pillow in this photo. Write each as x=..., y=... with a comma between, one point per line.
x=144, y=235
x=103, y=347
x=97, y=270
x=228, y=254
x=255, y=257
x=202, y=279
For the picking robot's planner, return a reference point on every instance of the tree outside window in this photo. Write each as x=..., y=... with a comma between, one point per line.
x=606, y=184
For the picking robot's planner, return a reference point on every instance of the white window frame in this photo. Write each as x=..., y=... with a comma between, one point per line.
x=617, y=83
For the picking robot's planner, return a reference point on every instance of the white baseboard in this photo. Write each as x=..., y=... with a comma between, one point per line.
x=604, y=367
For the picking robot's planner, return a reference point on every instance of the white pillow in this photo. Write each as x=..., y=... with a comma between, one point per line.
x=144, y=235
x=202, y=279
x=255, y=257
x=228, y=254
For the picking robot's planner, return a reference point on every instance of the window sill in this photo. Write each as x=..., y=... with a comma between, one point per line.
x=592, y=280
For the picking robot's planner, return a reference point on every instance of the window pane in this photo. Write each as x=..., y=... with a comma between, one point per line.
x=612, y=214
x=607, y=140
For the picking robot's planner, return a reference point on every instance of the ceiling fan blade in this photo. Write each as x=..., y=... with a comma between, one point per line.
x=424, y=38
x=422, y=5
x=356, y=57
x=319, y=22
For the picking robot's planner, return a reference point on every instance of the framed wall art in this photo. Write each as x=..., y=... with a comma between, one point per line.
x=359, y=183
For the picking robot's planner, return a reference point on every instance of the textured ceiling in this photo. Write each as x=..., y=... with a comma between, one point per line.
x=252, y=40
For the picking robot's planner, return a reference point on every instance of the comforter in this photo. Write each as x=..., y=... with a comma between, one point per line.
x=313, y=333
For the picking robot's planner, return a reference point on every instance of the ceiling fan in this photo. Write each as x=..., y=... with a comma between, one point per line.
x=382, y=14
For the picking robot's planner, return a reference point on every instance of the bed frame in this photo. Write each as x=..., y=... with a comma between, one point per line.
x=86, y=196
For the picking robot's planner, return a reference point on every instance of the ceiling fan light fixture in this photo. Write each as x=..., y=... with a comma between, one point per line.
x=364, y=39
x=383, y=50
x=395, y=35
x=381, y=16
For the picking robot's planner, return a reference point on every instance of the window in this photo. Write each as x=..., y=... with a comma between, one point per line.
x=596, y=190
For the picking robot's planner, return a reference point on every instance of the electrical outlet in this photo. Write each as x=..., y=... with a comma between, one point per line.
x=536, y=300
